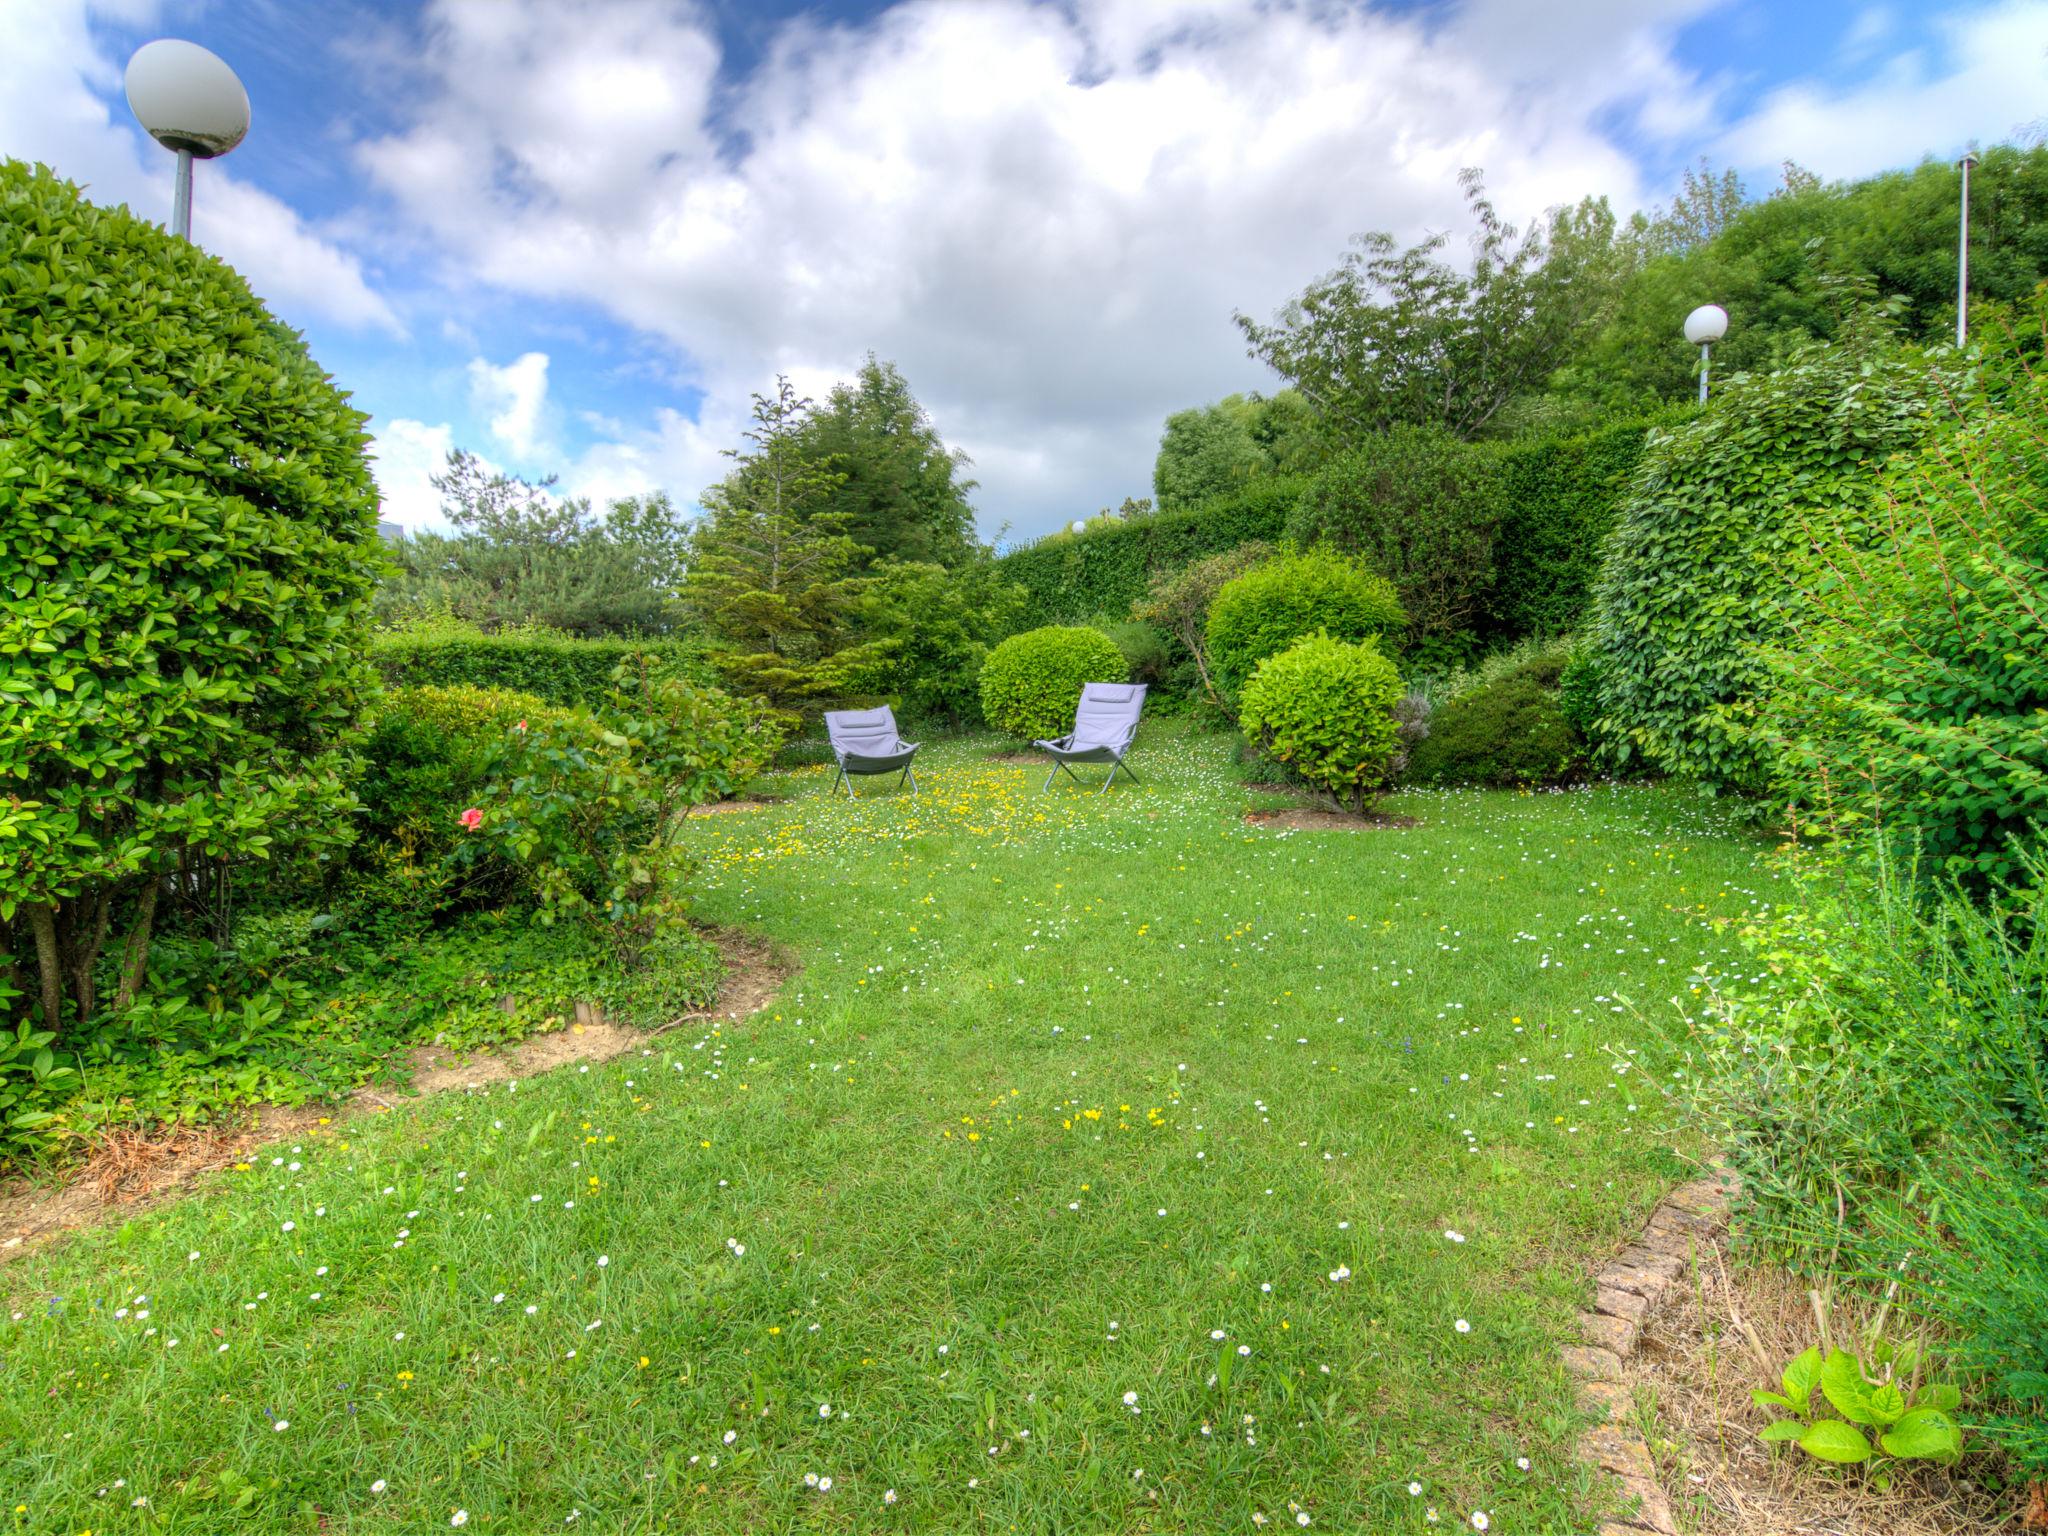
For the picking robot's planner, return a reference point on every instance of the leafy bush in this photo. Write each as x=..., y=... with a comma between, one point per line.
x=594, y=824
x=1178, y=603
x=1147, y=652
x=1031, y=682
x=558, y=668
x=1578, y=694
x=1510, y=734
x=932, y=630
x=1325, y=708
x=1697, y=564
x=188, y=546
x=1107, y=569
x=1421, y=507
x=1270, y=606
x=1910, y=685
x=1910, y=1419
x=426, y=760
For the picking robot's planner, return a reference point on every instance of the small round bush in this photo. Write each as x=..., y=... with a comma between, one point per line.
x=1031, y=682
x=1325, y=708
x=1511, y=733
x=1269, y=607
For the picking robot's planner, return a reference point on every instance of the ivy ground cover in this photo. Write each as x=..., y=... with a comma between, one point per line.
x=1110, y=1166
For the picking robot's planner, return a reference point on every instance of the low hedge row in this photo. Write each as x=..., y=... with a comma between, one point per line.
x=557, y=668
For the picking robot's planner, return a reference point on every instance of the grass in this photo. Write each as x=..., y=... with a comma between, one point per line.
x=1097, y=1174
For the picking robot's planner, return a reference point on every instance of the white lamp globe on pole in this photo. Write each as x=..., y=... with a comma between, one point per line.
x=191, y=103
x=1078, y=526
x=1703, y=327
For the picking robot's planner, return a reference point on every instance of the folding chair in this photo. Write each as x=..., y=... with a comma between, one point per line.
x=1105, y=721
x=866, y=742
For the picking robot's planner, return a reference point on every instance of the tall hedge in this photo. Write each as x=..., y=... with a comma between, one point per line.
x=1699, y=567
x=188, y=545
x=558, y=668
x=1072, y=577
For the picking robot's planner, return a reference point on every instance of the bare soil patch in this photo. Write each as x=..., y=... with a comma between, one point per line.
x=1020, y=759
x=131, y=1168
x=1719, y=1332
x=1315, y=819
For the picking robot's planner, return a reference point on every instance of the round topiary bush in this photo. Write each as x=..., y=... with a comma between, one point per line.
x=1325, y=708
x=1031, y=682
x=1511, y=734
x=1269, y=607
x=188, y=546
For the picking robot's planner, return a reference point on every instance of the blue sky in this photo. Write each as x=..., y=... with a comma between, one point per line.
x=575, y=236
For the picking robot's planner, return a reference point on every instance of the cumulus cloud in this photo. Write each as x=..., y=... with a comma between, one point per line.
x=1982, y=82
x=513, y=397
x=404, y=454
x=54, y=89
x=1045, y=216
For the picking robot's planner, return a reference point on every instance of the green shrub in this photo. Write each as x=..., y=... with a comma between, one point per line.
x=1422, y=508
x=594, y=824
x=1910, y=687
x=1031, y=682
x=559, y=668
x=1270, y=606
x=1178, y=602
x=1070, y=576
x=426, y=760
x=1147, y=650
x=933, y=629
x=1510, y=734
x=1325, y=708
x=1579, y=682
x=188, y=546
x=1697, y=565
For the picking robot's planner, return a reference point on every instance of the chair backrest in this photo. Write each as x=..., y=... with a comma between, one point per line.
x=1107, y=715
x=869, y=732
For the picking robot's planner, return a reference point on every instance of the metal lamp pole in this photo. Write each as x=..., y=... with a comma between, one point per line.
x=1703, y=327
x=190, y=102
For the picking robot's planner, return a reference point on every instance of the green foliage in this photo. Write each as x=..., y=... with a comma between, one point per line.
x=1405, y=338
x=1910, y=683
x=33, y=1085
x=929, y=630
x=1209, y=452
x=522, y=557
x=1031, y=682
x=1697, y=564
x=1911, y=1420
x=1325, y=708
x=592, y=818
x=1579, y=682
x=1771, y=264
x=1105, y=570
x=559, y=668
x=901, y=493
x=772, y=567
x=187, y=549
x=1420, y=507
x=1510, y=733
x=1179, y=601
x=1147, y=651
x=1270, y=606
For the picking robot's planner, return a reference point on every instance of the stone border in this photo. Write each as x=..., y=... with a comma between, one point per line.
x=1625, y=1292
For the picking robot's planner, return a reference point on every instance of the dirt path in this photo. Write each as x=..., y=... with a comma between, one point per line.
x=131, y=1169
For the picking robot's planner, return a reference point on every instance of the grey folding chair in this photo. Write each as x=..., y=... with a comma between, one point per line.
x=866, y=742
x=1105, y=721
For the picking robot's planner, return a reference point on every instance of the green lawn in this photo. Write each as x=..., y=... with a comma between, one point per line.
x=1098, y=1173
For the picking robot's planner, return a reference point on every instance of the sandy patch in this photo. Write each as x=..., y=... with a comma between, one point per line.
x=1312, y=819
x=131, y=1168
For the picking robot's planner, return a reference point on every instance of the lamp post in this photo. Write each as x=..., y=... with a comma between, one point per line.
x=190, y=102
x=1703, y=327
x=1963, y=257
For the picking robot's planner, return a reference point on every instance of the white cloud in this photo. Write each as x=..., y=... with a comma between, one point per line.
x=1046, y=219
x=514, y=397
x=403, y=455
x=54, y=89
x=1980, y=86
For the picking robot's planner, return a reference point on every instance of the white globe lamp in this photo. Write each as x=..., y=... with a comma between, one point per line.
x=190, y=102
x=1703, y=327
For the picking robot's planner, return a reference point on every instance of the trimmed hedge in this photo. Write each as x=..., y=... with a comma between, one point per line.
x=1509, y=734
x=558, y=668
x=1071, y=577
x=1272, y=605
x=1031, y=682
x=1326, y=709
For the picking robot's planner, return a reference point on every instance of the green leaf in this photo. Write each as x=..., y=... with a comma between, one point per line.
x=1781, y=1430
x=1940, y=1394
x=1841, y=1378
x=1925, y=1434
x=1772, y=1400
x=1801, y=1377
x=1887, y=1403
x=1832, y=1440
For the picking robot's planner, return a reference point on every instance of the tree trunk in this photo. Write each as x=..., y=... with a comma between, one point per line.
x=42, y=921
x=135, y=953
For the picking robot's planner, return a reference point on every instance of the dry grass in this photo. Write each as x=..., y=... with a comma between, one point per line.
x=1723, y=1331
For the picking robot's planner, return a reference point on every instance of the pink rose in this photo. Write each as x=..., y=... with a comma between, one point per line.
x=472, y=818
